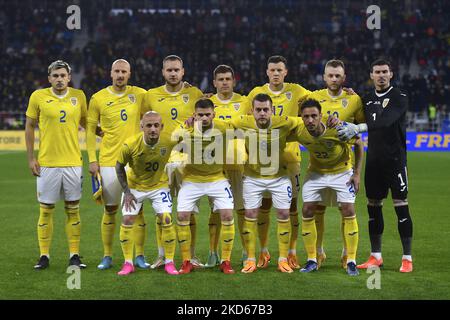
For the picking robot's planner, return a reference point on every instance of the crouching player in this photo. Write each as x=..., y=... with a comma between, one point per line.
x=330, y=177
x=146, y=154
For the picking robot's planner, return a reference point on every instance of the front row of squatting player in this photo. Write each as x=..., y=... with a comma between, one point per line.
x=148, y=148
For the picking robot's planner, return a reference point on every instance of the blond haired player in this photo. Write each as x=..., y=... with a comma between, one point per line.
x=146, y=154
x=227, y=106
x=58, y=111
x=175, y=103
x=117, y=109
x=330, y=179
x=285, y=97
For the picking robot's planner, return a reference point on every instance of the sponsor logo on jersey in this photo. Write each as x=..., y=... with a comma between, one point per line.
x=185, y=98
x=109, y=103
x=161, y=99
x=48, y=101
x=132, y=98
x=236, y=106
x=344, y=103
x=73, y=101
x=322, y=101
x=385, y=103
x=163, y=151
x=289, y=95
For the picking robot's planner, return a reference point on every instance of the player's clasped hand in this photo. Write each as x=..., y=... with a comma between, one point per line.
x=94, y=168
x=129, y=201
x=332, y=121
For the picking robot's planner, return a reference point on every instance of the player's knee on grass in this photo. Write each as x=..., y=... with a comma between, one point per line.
x=128, y=220
x=226, y=215
x=308, y=210
x=251, y=213
x=283, y=214
x=184, y=216
x=347, y=209
x=111, y=209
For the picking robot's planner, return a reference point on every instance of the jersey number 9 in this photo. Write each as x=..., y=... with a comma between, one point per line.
x=174, y=113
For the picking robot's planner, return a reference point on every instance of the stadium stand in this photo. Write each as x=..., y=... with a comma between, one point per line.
x=414, y=36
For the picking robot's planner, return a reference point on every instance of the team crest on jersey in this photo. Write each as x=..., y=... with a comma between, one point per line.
x=73, y=101
x=329, y=144
x=236, y=106
x=289, y=95
x=185, y=98
x=163, y=151
x=344, y=103
x=385, y=103
x=132, y=98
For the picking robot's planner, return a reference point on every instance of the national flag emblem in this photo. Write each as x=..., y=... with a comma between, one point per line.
x=289, y=95
x=163, y=151
x=185, y=98
x=236, y=106
x=132, y=98
x=385, y=103
x=344, y=103
x=73, y=101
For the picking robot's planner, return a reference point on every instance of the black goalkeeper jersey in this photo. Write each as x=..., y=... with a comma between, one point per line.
x=385, y=113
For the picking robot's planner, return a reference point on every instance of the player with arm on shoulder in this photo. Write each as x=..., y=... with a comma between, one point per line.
x=265, y=139
x=58, y=111
x=336, y=102
x=204, y=176
x=330, y=180
x=286, y=98
x=174, y=101
x=227, y=106
x=117, y=109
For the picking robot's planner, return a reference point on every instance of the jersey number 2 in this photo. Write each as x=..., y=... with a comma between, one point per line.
x=63, y=116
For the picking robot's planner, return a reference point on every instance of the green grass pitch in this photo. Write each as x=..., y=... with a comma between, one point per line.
x=429, y=176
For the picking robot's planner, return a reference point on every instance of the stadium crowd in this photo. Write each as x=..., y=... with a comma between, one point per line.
x=414, y=35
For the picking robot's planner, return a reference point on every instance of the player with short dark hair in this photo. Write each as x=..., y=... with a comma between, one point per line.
x=385, y=110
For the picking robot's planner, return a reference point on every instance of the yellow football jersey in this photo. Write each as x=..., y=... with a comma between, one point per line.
x=263, y=162
x=205, y=158
x=285, y=103
x=226, y=110
x=327, y=154
x=58, y=118
x=119, y=116
x=345, y=106
x=174, y=108
x=146, y=162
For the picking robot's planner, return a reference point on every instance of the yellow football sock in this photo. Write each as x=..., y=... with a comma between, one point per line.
x=263, y=227
x=73, y=227
x=227, y=238
x=168, y=236
x=351, y=237
x=140, y=233
x=319, y=217
x=158, y=228
x=45, y=228
x=193, y=228
x=284, y=236
x=309, y=234
x=241, y=219
x=184, y=239
x=293, y=216
x=249, y=235
x=214, y=230
x=343, y=234
x=108, y=228
x=126, y=242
